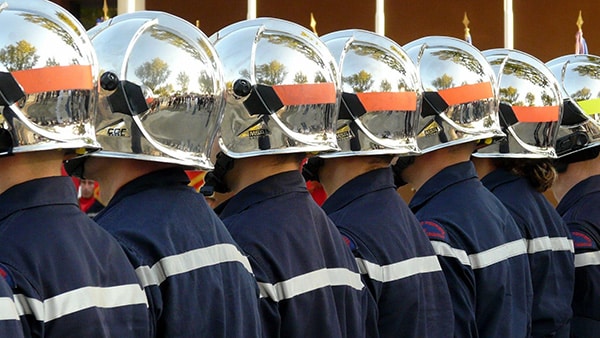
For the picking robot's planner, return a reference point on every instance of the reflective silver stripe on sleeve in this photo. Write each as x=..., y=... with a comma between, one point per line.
x=309, y=282
x=190, y=260
x=80, y=299
x=498, y=254
x=549, y=243
x=444, y=249
x=8, y=310
x=399, y=270
x=482, y=259
x=587, y=258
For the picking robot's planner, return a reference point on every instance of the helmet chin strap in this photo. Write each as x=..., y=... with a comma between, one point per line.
x=402, y=163
x=214, y=181
x=310, y=169
x=74, y=166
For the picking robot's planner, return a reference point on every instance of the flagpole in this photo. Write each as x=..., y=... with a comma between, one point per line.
x=379, y=17
x=509, y=29
x=251, y=9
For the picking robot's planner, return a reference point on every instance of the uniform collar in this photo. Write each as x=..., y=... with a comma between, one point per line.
x=159, y=178
x=39, y=192
x=444, y=179
x=359, y=186
x=579, y=191
x=270, y=187
x=497, y=178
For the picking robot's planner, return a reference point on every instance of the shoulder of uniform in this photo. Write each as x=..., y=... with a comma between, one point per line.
x=581, y=240
x=5, y=274
x=434, y=230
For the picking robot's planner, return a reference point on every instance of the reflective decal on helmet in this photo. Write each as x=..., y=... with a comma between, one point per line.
x=467, y=93
x=49, y=79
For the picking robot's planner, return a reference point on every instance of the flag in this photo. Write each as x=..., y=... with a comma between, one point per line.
x=580, y=44
x=313, y=23
x=467, y=30
x=196, y=178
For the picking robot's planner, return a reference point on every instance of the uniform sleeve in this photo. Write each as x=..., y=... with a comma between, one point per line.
x=268, y=308
x=10, y=324
x=587, y=272
x=459, y=276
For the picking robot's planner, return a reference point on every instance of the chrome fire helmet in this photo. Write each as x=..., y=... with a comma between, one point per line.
x=48, y=80
x=530, y=106
x=459, y=99
x=578, y=76
x=282, y=89
x=381, y=95
x=162, y=90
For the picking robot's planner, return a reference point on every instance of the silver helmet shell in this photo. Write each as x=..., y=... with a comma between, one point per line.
x=459, y=99
x=48, y=80
x=381, y=95
x=579, y=80
x=162, y=93
x=282, y=89
x=530, y=106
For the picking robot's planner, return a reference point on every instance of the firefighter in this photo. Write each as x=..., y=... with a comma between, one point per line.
x=162, y=97
x=577, y=187
x=69, y=276
x=518, y=169
x=477, y=242
x=281, y=104
x=375, y=123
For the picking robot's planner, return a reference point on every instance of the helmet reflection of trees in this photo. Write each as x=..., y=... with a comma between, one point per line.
x=461, y=58
x=55, y=28
x=380, y=55
x=206, y=83
x=582, y=94
x=183, y=80
x=385, y=86
x=178, y=42
x=19, y=56
x=443, y=82
x=300, y=78
x=592, y=71
x=360, y=82
x=153, y=73
x=271, y=73
x=509, y=95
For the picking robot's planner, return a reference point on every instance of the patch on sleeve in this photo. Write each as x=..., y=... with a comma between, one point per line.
x=4, y=274
x=582, y=241
x=434, y=231
x=349, y=242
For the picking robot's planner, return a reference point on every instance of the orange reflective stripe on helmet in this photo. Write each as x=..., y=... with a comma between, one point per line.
x=55, y=78
x=306, y=93
x=467, y=93
x=536, y=114
x=380, y=101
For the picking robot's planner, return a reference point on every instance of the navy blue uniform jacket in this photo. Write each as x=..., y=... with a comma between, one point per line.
x=395, y=257
x=71, y=278
x=481, y=251
x=309, y=282
x=580, y=209
x=198, y=282
x=549, y=247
